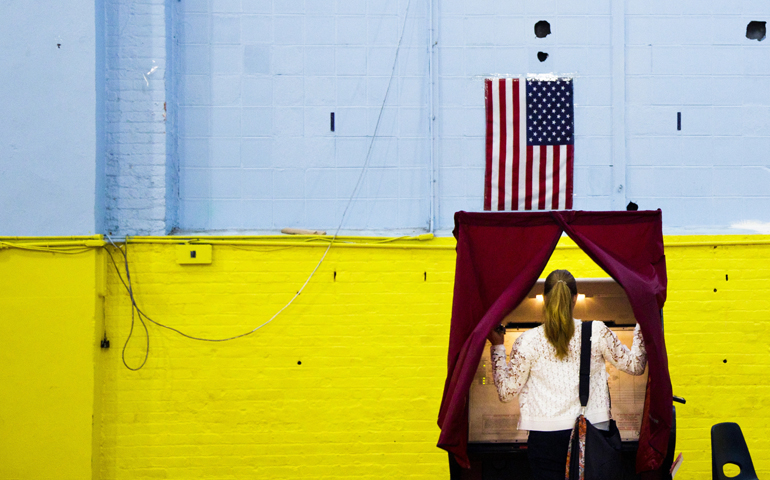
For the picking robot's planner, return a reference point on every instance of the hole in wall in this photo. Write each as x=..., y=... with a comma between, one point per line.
x=632, y=207
x=542, y=29
x=542, y=56
x=731, y=470
x=756, y=30
x=724, y=361
x=299, y=362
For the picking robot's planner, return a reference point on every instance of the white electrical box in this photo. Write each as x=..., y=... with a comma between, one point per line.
x=193, y=254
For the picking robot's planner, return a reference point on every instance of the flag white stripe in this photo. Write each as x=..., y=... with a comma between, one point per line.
x=508, y=142
x=495, y=141
x=562, y=177
x=536, y=177
x=549, y=177
x=522, y=142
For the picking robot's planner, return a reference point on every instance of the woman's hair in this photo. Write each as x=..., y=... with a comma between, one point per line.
x=560, y=287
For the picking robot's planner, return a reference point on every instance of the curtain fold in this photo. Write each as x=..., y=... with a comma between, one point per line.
x=500, y=256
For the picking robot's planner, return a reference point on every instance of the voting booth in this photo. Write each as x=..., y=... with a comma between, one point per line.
x=495, y=444
x=500, y=257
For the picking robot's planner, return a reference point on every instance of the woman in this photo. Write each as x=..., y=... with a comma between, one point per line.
x=544, y=373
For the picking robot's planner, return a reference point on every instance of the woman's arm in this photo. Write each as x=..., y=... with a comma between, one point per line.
x=510, y=377
x=630, y=361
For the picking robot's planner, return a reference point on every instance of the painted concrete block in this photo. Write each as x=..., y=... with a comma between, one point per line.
x=352, y=151
x=256, y=59
x=321, y=30
x=288, y=90
x=257, y=183
x=256, y=152
x=386, y=31
x=384, y=152
x=351, y=30
x=351, y=60
x=225, y=30
x=226, y=90
x=288, y=60
x=225, y=152
x=318, y=121
x=227, y=60
x=256, y=121
x=256, y=29
x=382, y=182
x=257, y=91
x=319, y=61
x=320, y=91
x=225, y=121
x=288, y=121
x=319, y=152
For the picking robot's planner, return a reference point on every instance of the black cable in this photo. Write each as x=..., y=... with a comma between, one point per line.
x=134, y=307
x=135, y=310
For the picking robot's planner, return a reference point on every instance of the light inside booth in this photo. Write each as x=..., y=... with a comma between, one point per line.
x=600, y=299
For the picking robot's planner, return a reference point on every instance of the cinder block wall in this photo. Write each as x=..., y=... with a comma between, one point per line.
x=347, y=382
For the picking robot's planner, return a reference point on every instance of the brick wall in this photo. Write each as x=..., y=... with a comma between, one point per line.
x=372, y=345
x=137, y=145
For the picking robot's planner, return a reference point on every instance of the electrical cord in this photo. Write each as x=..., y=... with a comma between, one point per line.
x=138, y=313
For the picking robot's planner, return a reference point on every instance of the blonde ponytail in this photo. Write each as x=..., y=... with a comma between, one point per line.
x=560, y=287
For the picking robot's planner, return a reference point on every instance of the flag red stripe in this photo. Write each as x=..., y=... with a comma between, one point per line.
x=555, y=181
x=570, y=167
x=503, y=133
x=516, y=124
x=541, y=190
x=488, y=172
x=528, y=193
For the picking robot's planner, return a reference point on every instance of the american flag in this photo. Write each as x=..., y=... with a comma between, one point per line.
x=530, y=144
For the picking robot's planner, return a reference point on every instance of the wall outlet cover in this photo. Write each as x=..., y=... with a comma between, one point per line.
x=193, y=254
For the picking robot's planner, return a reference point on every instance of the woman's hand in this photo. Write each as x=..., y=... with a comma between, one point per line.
x=497, y=336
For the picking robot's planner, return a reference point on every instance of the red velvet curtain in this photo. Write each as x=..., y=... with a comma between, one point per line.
x=500, y=256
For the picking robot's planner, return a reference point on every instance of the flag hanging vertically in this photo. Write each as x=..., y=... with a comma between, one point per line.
x=530, y=144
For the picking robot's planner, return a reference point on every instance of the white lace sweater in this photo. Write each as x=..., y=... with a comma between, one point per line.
x=548, y=387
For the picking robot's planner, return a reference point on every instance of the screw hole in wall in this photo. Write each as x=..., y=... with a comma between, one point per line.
x=542, y=56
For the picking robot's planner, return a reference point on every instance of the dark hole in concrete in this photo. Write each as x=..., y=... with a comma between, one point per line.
x=632, y=207
x=299, y=362
x=715, y=290
x=756, y=30
x=726, y=277
x=542, y=29
x=58, y=45
x=542, y=56
x=724, y=361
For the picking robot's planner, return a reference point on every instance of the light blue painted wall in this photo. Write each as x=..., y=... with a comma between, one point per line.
x=694, y=58
x=48, y=131
x=218, y=111
x=258, y=82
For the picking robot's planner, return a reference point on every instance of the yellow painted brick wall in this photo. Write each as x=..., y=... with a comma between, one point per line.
x=371, y=343
x=50, y=316
x=346, y=383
